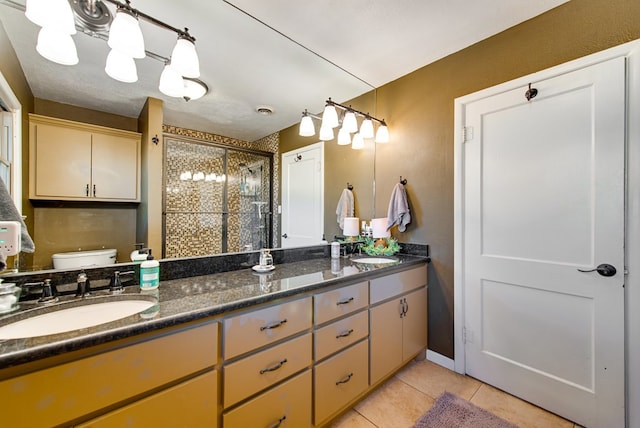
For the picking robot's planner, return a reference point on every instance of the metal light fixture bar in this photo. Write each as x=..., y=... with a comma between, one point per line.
x=351, y=109
x=151, y=19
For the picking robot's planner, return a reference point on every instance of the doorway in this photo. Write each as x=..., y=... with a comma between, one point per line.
x=540, y=205
x=303, y=196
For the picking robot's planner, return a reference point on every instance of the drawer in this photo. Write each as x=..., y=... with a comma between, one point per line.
x=389, y=286
x=254, y=373
x=196, y=400
x=252, y=330
x=340, y=334
x=340, y=379
x=58, y=394
x=342, y=301
x=289, y=402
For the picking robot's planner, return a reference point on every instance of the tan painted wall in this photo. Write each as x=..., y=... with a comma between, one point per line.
x=420, y=112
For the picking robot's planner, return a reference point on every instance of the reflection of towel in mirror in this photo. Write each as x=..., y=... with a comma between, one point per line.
x=398, y=213
x=9, y=212
x=345, y=207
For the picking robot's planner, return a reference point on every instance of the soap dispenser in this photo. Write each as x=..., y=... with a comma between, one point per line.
x=149, y=273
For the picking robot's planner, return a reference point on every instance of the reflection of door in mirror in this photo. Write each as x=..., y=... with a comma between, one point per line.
x=303, y=196
x=217, y=199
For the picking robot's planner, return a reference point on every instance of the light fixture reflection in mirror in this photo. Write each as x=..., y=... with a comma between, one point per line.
x=349, y=126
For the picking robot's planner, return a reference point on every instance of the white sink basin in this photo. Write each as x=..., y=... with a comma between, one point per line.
x=374, y=260
x=69, y=316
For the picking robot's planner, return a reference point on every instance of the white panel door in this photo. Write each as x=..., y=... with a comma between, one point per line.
x=303, y=196
x=543, y=202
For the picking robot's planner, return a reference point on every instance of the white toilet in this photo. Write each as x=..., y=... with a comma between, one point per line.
x=76, y=259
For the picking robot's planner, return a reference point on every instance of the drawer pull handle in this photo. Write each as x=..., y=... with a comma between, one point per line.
x=274, y=325
x=345, y=379
x=279, y=422
x=344, y=301
x=345, y=333
x=274, y=368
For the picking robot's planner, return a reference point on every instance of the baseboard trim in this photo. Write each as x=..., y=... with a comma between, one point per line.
x=441, y=360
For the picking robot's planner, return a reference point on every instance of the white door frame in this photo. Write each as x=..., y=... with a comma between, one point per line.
x=630, y=50
x=13, y=104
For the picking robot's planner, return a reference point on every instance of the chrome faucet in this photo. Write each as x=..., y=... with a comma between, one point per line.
x=83, y=289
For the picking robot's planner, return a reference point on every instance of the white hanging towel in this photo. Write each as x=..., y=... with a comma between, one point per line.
x=9, y=212
x=398, y=213
x=345, y=207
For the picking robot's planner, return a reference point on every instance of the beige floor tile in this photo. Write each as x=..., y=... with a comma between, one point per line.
x=517, y=411
x=394, y=405
x=433, y=380
x=352, y=419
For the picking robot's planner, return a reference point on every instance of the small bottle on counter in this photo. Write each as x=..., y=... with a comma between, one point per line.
x=335, y=250
x=149, y=273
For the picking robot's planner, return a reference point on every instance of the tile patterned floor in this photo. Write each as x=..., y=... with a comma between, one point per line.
x=411, y=392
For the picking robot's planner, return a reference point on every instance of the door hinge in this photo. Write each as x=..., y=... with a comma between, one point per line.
x=467, y=335
x=467, y=134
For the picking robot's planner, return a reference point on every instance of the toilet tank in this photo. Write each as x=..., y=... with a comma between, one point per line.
x=77, y=259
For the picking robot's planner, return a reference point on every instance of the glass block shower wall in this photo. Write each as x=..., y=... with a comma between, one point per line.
x=217, y=199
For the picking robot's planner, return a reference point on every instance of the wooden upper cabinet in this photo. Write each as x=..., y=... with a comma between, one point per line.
x=75, y=161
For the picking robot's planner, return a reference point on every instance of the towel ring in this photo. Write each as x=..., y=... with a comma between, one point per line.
x=403, y=182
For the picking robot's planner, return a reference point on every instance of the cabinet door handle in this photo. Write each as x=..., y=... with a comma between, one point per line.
x=344, y=301
x=94, y=190
x=401, y=308
x=406, y=307
x=274, y=325
x=274, y=368
x=345, y=333
x=86, y=191
x=278, y=422
x=345, y=379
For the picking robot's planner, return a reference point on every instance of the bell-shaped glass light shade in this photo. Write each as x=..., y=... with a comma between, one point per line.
x=350, y=123
x=366, y=129
x=51, y=13
x=121, y=67
x=57, y=46
x=358, y=142
x=330, y=116
x=184, y=58
x=307, y=129
x=382, y=135
x=326, y=133
x=125, y=34
x=171, y=83
x=194, y=89
x=344, y=138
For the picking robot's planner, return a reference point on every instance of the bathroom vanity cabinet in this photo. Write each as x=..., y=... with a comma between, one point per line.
x=75, y=161
x=298, y=361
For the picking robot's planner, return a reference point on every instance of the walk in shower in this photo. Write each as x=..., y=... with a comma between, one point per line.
x=217, y=199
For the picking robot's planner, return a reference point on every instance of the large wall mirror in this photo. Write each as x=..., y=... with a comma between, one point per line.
x=288, y=62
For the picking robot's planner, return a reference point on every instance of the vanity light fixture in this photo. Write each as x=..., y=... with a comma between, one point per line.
x=330, y=120
x=59, y=18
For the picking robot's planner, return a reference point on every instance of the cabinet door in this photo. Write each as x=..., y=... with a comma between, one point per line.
x=62, y=162
x=114, y=167
x=386, y=338
x=414, y=324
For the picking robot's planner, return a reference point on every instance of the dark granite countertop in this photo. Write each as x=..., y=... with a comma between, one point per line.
x=193, y=298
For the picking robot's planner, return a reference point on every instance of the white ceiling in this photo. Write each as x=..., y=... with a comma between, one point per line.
x=286, y=54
